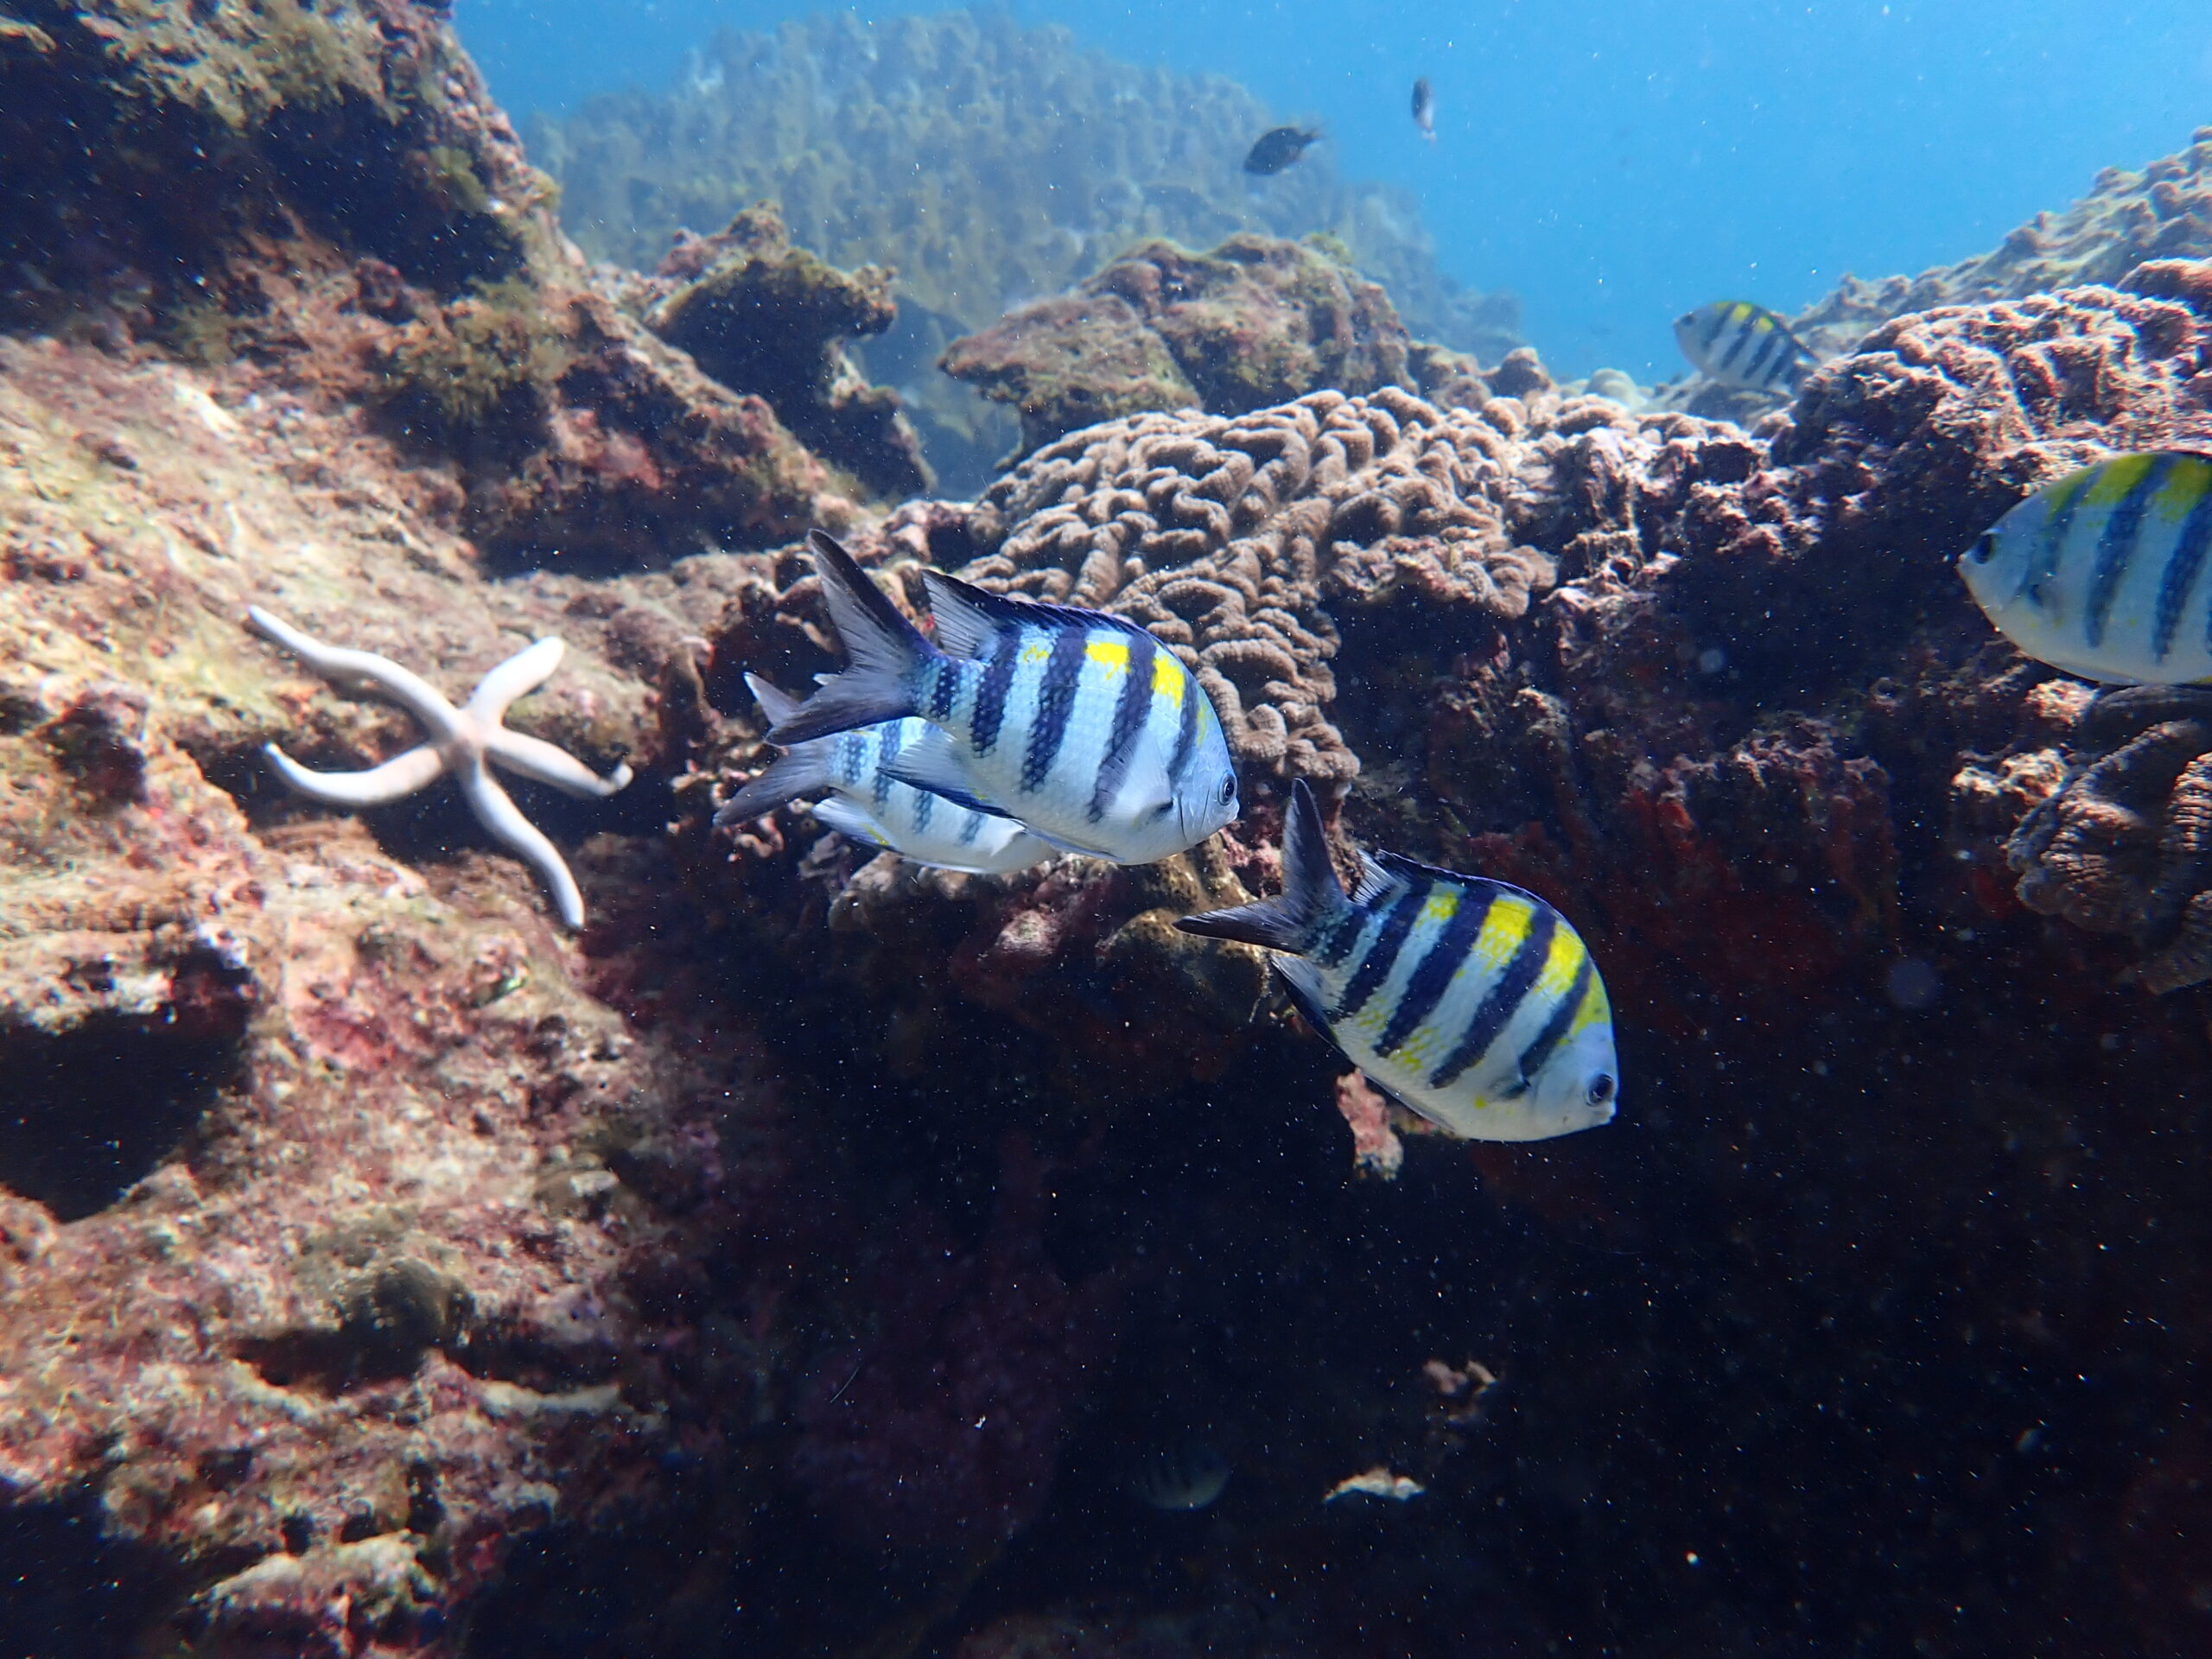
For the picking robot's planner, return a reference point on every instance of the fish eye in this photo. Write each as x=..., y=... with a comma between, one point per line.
x=1228, y=792
x=1601, y=1089
x=1980, y=551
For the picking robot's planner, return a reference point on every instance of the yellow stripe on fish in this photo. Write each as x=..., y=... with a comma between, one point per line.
x=1473, y=1002
x=2105, y=572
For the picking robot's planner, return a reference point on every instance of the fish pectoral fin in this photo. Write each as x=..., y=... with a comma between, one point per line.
x=932, y=763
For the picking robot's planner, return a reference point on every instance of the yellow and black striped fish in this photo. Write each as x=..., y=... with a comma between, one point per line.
x=2105, y=572
x=1739, y=344
x=1472, y=1001
x=1079, y=726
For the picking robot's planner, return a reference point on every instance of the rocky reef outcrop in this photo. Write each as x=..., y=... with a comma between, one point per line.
x=1257, y=321
x=327, y=194
x=917, y=141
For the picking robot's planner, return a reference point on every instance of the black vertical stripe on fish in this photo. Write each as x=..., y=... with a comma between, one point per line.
x=1382, y=955
x=2036, y=574
x=1337, y=936
x=1432, y=975
x=886, y=738
x=2116, y=546
x=1130, y=708
x=1562, y=1021
x=1186, y=735
x=1055, y=705
x=1754, y=369
x=944, y=691
x=924, y=809
x=970, y=829
x=1712, y=329
x=989, y=712
x=2177, y=582
x=852, y=757
x=1736, y=345
x=1503, y=1001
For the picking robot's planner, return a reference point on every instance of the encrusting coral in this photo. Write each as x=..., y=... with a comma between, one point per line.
x=989, y=163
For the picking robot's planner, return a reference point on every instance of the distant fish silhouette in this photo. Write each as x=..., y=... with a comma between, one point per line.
x=1278, y=148
x=1424, y=108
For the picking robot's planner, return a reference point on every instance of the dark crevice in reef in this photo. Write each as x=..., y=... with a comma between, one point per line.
x=68, y=1589
x=86, y=1113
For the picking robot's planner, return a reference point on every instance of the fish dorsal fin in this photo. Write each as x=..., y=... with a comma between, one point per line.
x=1397, y=864
x=969, y=617
x=1374, y=880
x=932, y=764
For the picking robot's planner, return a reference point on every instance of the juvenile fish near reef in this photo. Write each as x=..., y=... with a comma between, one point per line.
x=1278, y=147
x=1740, y=344
x=1078, y=725
x=1424, y=108
x=2104, y=572
x=868, y=805
x=1473, y=1002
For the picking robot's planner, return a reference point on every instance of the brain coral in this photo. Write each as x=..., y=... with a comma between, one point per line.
x=988, y=162
x=1233, y=536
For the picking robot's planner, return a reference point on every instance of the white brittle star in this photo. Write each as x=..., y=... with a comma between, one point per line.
x=463, y=741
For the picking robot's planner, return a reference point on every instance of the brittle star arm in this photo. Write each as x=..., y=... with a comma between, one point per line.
x=396, y=777
x=408, y=689
x=498, y=813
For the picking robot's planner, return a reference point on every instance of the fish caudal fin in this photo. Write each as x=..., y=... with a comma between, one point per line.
x=1311, y=891
x=805, y=768
x=778, y=706
x=885, y=647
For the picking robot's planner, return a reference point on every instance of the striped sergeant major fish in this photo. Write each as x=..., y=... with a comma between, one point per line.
x=1739, y=344
x=866, y=805
x=1473, y=1002
x=1079, y=726
x=2104, y=572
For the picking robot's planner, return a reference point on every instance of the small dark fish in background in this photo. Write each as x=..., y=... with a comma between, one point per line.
x=1739, y=344
x=1424, y=108
x=1278, y=147
x=1186, y=1475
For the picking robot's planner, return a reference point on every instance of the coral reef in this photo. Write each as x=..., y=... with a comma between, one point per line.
x=1258, y=320
x=327, y=192
x=987, y=162
x=797, y=1259
x=759, y=315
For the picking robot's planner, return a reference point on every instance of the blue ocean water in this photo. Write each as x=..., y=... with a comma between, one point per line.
x=1613, y=161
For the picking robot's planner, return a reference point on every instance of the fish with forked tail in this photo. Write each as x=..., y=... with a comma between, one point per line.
x=1079, y=726
x=1473, y=1002
x=866, y=805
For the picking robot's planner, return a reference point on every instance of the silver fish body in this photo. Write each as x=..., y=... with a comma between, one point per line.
x=1079, y=726
x=1424, y=108
x=1739, y=344
x=1473, y=1002
x=2104, y=573
x=866, y=804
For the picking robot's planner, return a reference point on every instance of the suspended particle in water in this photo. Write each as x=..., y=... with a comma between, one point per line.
x=1912, y=985
x=1711, y=660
